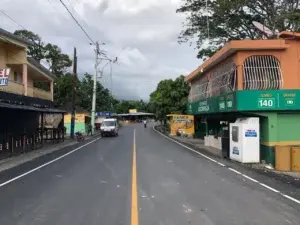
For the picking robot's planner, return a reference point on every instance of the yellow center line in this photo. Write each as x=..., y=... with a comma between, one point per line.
x=134, y=199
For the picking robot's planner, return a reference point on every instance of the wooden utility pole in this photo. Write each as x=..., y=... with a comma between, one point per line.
x=73, y=93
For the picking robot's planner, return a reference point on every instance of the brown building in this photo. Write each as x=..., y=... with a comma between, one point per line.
x=22, y=104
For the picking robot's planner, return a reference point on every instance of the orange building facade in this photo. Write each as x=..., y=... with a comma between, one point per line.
x=246, y=78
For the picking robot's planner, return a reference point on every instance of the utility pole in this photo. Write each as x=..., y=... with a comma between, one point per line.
x=97, y=51
x=97, y=62
x=73, y=94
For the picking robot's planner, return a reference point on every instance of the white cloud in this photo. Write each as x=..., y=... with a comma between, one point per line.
x=142, y=33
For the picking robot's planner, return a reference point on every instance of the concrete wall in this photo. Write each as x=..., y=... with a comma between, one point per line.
x=82, y=127
x=278, y=129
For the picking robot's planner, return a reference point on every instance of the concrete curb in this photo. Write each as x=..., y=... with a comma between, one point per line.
x=197, y=148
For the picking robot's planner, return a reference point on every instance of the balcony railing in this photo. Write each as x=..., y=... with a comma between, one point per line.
x=39, y=93
x=13, y=87
x=18, y=88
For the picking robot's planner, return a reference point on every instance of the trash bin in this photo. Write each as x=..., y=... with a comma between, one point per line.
x=225, y=144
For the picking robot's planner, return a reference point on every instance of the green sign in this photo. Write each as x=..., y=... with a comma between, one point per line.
x=290, y=102
x=268, y=100
x=224, y=103
x=271, y=100
x=266, y=103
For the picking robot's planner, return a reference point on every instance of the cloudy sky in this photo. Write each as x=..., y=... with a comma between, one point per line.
x=142, y=33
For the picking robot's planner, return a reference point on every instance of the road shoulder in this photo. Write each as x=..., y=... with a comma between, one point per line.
x=284, y=184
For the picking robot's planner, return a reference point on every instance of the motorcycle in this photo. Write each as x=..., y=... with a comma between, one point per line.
x=79, y=136
x=145, y=125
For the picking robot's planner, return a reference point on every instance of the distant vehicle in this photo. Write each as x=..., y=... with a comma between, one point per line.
x=109, y=127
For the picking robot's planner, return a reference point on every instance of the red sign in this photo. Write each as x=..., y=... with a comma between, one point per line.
x=4, y=75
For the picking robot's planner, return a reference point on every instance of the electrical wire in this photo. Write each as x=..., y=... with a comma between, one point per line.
x=12, y=19
x=77, y=22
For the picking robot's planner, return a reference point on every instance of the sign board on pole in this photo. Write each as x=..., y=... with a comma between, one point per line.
x=103, y=114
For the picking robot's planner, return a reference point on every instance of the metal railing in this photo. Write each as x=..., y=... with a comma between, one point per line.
x=39, y=93
x=222, y=80
x=199, y=90
x=18, y=88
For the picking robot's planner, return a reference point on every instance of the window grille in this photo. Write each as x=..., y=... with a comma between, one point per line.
x=198, y=90
x=223, y=79
x=262, y=72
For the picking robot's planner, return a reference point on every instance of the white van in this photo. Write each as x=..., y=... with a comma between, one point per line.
x=109, y=127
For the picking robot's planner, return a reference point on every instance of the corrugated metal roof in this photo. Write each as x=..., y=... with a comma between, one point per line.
x=35, y=63
x=136, y=114
x=30, y=108
x=14, y=37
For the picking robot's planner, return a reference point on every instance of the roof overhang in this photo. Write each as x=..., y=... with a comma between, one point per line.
x=233, y=47
x=30, y=108
x=136, y=114
x=9, y=37
x=40, y=68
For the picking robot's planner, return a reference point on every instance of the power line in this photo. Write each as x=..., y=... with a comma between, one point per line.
x=24, y=50
x=12, y=19
x=77, y=22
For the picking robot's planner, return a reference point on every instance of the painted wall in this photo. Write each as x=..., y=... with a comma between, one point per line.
x=278, y=129
x=288, y=128
x=81, y=123
x=82, y=127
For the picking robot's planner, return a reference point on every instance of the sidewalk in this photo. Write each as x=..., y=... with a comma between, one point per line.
x=198, y=144
x=47, y=149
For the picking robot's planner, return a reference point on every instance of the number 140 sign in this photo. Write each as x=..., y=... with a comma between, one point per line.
x=266, y=103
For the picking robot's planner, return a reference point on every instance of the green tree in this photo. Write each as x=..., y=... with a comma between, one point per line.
x=170, y=96
x=63, y=89
x=104, y=101
x=232, y=20
x=36, y=50
x=58, y=61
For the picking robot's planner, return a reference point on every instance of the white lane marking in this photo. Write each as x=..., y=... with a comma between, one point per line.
x=50, y=162
x=289, y=197
x=233, y=170
x=250, y=178
x=270, y=188
x=187, y=147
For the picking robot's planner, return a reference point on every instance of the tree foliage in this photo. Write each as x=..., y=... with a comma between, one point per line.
x=58, y=62
x=170, y=96
x=232, y=20
x=36, y=50
x=124, y=106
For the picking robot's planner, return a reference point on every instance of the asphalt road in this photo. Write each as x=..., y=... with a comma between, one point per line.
x=96, y=184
